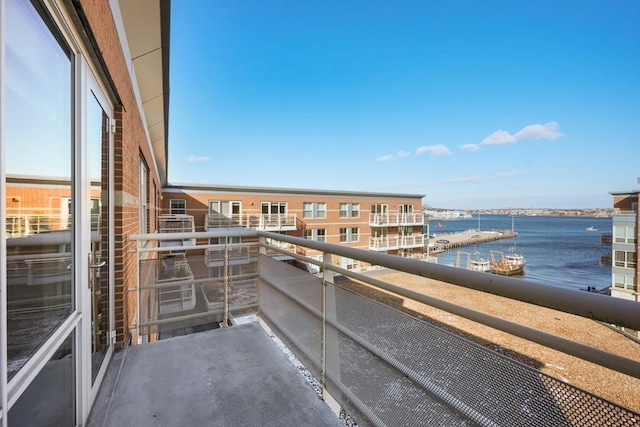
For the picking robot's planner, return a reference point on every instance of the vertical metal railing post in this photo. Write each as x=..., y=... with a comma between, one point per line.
x=225, y=304
x=330, y=351
x=138, y=292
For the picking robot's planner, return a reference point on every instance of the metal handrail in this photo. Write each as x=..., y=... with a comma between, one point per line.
x=586, y=304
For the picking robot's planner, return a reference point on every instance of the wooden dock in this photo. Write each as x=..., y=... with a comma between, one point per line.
x=442, y=242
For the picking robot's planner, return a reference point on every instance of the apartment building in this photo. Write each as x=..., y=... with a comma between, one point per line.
x=381, y=222
x=625, y=270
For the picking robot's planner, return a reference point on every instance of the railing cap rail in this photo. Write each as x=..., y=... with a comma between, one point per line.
x=586, y=304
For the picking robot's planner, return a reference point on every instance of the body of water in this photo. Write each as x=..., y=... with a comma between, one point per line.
x=558, y=250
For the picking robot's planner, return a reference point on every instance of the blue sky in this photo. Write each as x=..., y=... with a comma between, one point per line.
x=475, y=104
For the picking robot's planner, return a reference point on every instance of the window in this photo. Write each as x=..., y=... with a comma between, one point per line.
x=314, y=234
x=379, y=209
x=37, y=77
x=625, y=259
x=349, y=234
x=624, y=234
x=224, y=213
x=624, y=281
x=405, y=209
x=405, y=231
x=273, y=208
x=349, y=210
x=349, y=264
x=314, y=210
x=177, y=207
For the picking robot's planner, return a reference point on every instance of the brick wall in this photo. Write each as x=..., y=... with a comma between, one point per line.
x=131, y=147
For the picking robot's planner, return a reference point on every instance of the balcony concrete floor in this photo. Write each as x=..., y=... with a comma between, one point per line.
x=235, y=376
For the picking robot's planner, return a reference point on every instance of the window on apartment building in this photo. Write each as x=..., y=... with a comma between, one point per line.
x=624, y=281
x=318, y=234
x=224, y=213
x=314, y=210
x=625, y=259
x=405, y=230
x=624, y=234
x=379, y=209
x=178, y=206
x=349, y=264
x=349, y=234
x=267, y=208
x=405, y=209
x=349, y=210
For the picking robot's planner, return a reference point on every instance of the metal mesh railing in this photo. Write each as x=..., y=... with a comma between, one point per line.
x=395, y=369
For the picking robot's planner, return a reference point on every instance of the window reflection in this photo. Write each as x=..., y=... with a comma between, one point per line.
x=38, y=182
x=50, y=398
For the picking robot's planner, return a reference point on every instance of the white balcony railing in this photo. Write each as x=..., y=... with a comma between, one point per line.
x=277, y=222
x=395, y=219
x=175, y=224
x=216, y=220
x=385, y=243
x=265, y=222
x=412, y=241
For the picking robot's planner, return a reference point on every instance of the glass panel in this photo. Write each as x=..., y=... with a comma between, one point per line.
x=39, y=194
x=50, y=398
x=98, y=146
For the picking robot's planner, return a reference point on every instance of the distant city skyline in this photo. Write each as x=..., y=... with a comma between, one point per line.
x=477, y=105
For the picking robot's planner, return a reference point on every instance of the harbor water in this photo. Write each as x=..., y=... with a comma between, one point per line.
x=559, y=251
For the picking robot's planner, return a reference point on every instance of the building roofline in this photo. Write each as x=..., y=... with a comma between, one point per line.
x=624, y=193
x=281, y=190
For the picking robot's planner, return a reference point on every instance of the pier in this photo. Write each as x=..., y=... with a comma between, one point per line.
x=442, y=242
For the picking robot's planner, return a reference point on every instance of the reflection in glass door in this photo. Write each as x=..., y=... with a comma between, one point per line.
x=98, y=136
x=37, y=142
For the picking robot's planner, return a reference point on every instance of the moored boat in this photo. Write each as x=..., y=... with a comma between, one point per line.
x=507, y=265
x=592, y=228
x=477, y=263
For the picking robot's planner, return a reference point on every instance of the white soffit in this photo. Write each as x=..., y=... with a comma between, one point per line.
x=143, y=26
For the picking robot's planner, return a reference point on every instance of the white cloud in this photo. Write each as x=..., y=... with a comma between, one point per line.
x=193, y=158
x=434, y=150
x=386, y=158
x=499, y=137
x=470, y=147
x=476, y=178
x=549, y=131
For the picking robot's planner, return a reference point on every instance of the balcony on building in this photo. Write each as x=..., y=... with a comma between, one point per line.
x=384, y=243
x=391, y=219
x=176, y=224
x=411, y=241
x=363, y=353
x=264, y=222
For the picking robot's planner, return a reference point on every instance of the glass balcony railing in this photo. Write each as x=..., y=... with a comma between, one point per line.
x=466, y=349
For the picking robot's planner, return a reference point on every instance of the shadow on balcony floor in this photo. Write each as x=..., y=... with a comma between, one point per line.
x=234, y=376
